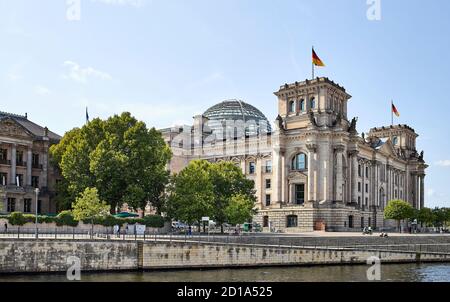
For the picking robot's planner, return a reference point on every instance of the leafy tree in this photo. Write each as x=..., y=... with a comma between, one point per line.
x=229, y=182
x=206, y=189
x=424, y=216
x=192, y=194
x=240, y=209
x=398, y=210
x=440, y=217
x=88, y=206
x=119, y=156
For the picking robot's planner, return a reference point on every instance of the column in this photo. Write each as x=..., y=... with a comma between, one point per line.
x=29, y=166
x=277, y=165
x=354, y=158
x=13, y=164
x=284, y=182
x=339, y=174
x=258, y=180
x=311, y=172
x=422, y=192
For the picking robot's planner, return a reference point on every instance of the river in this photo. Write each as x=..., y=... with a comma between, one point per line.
x=389, y=273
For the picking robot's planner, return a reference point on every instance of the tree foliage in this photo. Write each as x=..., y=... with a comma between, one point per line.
x=213, y=190
x=88, y=206
x=398, y=210
x=119, y=156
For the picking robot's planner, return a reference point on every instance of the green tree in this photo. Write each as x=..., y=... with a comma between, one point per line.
x=119, y=156
x=229, y=182
x=440, y=217
x=398, y=210
x=240, y=209
x=192, y=194
x=424, y=216
x=88, y=206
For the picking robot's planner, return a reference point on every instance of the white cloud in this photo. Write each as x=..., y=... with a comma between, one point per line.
x=135, y=3
x=79, y=74
x=41, y=90
x=443, y=163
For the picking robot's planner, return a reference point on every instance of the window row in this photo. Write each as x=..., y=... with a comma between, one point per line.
x=19, y=158
x=19, y=180
x=27, y=202
x=300, y=105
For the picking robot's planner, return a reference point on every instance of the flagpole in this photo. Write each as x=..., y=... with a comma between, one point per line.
x=392, y=112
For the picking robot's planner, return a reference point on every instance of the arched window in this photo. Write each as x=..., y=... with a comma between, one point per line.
x=291, y=106
x=395, y=140
x=302, y=105
x=313, y=103
x=299, y=162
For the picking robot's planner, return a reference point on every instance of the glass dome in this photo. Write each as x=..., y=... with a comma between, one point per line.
x=237, y=114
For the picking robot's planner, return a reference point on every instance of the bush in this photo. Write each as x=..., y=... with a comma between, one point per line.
x=66, y=218
x=154, y=221
x=17, y=218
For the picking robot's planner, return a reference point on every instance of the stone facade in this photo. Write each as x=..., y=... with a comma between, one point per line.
x=314, y=171
x=25, y=166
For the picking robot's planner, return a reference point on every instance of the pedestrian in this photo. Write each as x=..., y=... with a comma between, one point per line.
x=6, y=227
x=190, y=231
x=118, y=230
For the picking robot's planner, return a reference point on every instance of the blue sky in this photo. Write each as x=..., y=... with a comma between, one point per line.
x=167, y=60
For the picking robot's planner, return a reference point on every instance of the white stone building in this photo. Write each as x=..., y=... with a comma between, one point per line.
x=314, y=171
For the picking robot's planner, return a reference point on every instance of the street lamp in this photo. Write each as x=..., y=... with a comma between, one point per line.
x=36, y=223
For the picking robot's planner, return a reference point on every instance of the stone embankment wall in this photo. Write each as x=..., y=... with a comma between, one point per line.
x=27, y=255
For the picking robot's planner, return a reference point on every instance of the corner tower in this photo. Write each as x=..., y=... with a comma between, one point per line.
x=319, y=101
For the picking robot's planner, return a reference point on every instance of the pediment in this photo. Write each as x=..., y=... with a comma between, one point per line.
x=295, y=175
x=10, y=128
x=388, y=149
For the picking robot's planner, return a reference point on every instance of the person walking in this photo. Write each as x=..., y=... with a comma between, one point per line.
x=6, y=228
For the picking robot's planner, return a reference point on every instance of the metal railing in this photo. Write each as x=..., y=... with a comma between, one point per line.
x=247, y=239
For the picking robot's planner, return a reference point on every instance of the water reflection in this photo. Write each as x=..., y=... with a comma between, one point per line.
x=390, y=273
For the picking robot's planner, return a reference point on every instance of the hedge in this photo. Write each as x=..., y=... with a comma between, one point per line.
x=66, y=219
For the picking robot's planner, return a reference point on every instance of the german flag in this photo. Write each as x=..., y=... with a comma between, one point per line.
x=395, y=111
x=316, y=60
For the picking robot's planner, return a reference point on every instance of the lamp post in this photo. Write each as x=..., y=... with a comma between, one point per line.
x=36, y=223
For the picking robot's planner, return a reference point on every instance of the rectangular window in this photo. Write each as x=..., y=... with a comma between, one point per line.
x=39, y=207
x=268, y=199
x=19, y=158
x=265, y=221
x=292, y=221
x=11, y=206
x=19, y=180
x=359, y=199
x=367, y=172
x=3, y=179
x=362, y=222
x=36, y=161
x=27, y=205
x=268, y=183
x=251, y=168
x=359, y=171
x=3, y=156
x=269, y=166
x=367, y=188
x=35, y=181
x=300, y=194
x=367, y=201
x=359, y=187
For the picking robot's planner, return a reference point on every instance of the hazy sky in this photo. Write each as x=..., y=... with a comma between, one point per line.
x=167, y=60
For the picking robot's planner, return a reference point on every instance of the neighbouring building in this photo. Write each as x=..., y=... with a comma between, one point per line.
x=25, y=166
x=314, y=171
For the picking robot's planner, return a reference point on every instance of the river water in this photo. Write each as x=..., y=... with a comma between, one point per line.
x=394, y=272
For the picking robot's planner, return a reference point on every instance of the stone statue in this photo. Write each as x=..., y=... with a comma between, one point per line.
x=312, y=119
x=421, y=156
x=279, y=121
x=352, y=128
